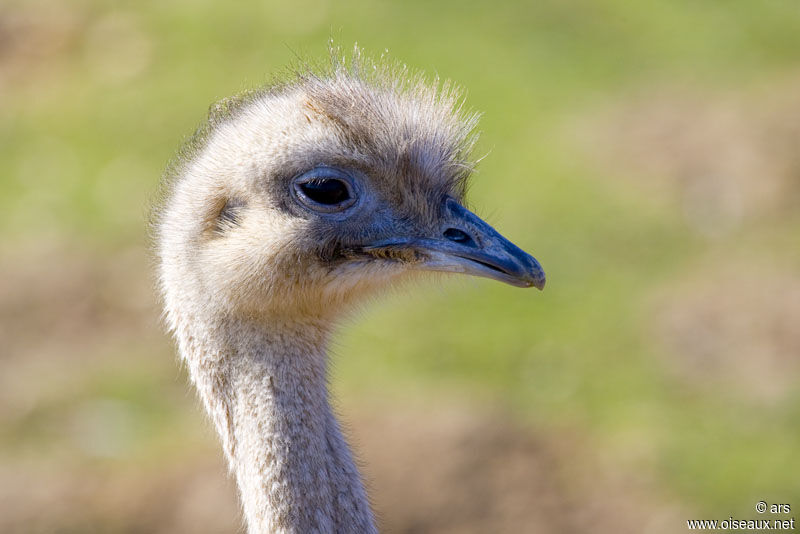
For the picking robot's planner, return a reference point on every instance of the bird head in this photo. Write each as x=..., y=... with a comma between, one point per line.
x=302, y=197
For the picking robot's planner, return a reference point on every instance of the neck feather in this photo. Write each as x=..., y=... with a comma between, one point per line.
x=266, y=390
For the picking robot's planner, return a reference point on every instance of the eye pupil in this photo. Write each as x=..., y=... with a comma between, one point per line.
x=327, y=191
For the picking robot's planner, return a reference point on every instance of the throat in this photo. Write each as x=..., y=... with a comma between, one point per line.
x=269, y=401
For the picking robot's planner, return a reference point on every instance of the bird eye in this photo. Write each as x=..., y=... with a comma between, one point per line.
x=325, y=189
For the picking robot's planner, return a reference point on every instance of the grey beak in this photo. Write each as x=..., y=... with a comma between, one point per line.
x=467, y=244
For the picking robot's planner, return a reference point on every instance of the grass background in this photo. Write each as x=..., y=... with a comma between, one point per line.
x=645, y=152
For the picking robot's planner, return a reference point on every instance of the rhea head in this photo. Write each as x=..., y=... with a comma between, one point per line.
x=300, y=198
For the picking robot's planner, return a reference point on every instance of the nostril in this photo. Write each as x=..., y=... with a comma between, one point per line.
x=459, y=236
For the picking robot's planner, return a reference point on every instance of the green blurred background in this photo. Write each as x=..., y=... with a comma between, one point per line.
x=647, y=153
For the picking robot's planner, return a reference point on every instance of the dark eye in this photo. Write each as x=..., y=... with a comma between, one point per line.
x=325, y=190
x=328, y=191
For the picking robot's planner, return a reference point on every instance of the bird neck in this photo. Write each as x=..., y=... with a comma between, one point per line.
x=266, y=390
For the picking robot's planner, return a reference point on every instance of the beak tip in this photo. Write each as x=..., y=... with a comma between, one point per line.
x=538, y=282
x=536, y=276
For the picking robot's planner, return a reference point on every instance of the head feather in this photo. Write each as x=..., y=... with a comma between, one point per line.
x=416, y=128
